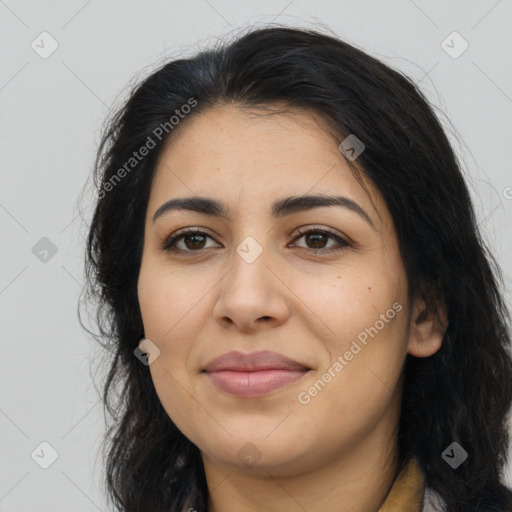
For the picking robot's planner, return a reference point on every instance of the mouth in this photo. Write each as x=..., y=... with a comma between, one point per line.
x=254, y=374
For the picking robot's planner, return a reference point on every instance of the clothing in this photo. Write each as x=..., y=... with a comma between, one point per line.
x=408, y=493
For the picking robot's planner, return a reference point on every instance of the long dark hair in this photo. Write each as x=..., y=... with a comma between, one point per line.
x=460, y=394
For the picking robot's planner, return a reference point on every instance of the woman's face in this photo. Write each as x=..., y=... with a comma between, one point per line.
x=250, y=282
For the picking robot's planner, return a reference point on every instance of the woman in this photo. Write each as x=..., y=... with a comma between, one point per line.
x=291, y=281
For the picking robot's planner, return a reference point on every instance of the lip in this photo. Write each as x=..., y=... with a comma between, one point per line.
x=253, y=361
x=254, y=374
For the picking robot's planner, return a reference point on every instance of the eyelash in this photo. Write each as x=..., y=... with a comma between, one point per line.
x=169, y=245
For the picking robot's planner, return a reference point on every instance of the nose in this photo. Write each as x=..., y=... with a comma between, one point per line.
x=252, y=295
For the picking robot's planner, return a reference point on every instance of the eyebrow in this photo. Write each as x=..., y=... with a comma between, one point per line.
x=280, y=208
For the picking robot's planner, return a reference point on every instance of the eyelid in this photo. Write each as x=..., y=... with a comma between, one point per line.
x=306, y=228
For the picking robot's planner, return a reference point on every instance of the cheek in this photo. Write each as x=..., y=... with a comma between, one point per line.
x=170, y=306
x=168, y=300
x=362, y=325
x=355, y=390
x=346, y=302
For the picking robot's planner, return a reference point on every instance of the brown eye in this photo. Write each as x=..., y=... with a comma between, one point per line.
x=193, y=241
x=316, y=240
x=196, y=241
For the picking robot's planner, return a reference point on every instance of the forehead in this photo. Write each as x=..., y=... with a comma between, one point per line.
x=223, y=149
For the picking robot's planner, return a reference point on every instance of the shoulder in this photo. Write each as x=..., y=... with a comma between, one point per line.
x=432, y=501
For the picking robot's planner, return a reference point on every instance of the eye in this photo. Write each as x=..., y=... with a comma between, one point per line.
x=317, y=236
x=194, y=241
x=196, y=238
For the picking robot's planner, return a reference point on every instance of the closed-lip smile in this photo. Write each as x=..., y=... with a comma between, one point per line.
x=253, y=374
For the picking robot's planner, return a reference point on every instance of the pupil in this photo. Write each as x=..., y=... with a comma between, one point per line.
x=316, y=235
x=194, y=237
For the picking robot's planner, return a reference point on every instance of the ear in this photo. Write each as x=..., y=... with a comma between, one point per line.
x=426, y=329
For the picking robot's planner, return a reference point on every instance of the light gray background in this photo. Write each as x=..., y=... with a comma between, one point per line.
x=51, y=113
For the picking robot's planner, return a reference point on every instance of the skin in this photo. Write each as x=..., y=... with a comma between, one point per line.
x=335, y=453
